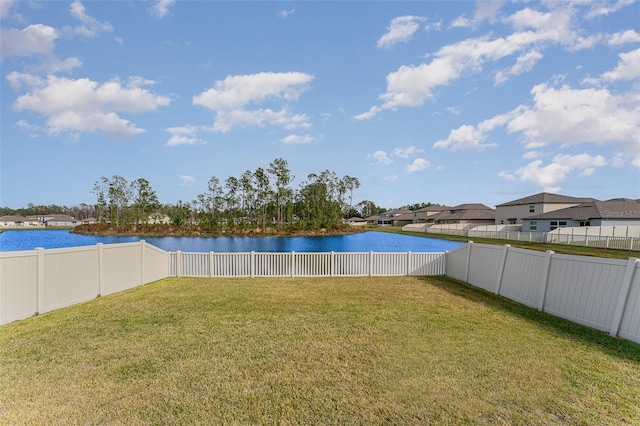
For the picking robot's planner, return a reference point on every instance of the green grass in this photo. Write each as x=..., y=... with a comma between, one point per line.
x=393, y=350
x=577, y=250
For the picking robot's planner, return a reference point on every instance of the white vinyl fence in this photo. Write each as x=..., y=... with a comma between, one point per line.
x=38, y=281
x=600, y=293
x=294, y=264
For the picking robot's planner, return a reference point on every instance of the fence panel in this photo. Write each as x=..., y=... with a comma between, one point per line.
x=584, y=290
x=231, y=264
x=456, y=262
x=630, y=325
x=122, y=267
x=427, y=264
x=18, y=285
x=484, y=265
x=523, y=275
x=156, y=263
x=272, y=264
x=389, y=264
x=71, y=276
x=354, y=264
x=312, y=264
x=194, y=265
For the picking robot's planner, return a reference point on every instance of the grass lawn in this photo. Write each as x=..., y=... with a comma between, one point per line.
x=392, y=350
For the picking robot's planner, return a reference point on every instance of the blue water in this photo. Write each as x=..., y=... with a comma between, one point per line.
x=365, y=241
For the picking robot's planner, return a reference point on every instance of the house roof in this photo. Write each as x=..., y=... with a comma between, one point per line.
x=546, y=198
x=470, y=206
x=60, y=218
x=433, y=208
x=13, y=218
x=472, y=214
x=619, y=208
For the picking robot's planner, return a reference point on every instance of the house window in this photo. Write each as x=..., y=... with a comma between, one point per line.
x=532, y=208
x=587, y=223
x=555, y=224
x=533, y=226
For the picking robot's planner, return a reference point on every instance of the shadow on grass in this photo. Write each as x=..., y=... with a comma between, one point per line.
x=623, y=349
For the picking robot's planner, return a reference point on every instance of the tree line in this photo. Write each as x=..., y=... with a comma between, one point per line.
x=257, y=198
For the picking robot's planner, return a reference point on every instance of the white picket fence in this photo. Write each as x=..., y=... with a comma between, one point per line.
x=599, y=293
x=298, y=264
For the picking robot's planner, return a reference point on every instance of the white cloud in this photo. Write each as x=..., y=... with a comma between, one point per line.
x=620, y=38
x=628, y=67
x=465, y=138
x=418, y=165
x=551, y=175
x=286, y=13
x=229, y=97
x=533, y=155
x=186, y=180
x=412, y=85
x=160, y=8
x=391, y=178
x=32, y=40
x=406, y=152
x=91, y=27
x=84, y=105
x=485, y=11
x=571, y=116
x=400, y=30
x=525, y=63
x=381, y=157
x=5, y=5
x=186, y=135
x=600, y=8
x=298, y=139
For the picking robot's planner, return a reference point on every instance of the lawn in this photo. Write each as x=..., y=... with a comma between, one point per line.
x=391, y=350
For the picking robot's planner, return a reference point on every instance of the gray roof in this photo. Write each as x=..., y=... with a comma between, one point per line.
x=433, y=208
x=546, y=198
x=13, y=218
x=620, y=208
x=470, y=206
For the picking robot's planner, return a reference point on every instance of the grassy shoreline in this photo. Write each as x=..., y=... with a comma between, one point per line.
x=392, y=350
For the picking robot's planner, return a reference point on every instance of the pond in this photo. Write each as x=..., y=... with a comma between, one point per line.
x=361, y=242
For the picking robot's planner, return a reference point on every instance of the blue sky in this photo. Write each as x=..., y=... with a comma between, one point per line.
x=422, y=101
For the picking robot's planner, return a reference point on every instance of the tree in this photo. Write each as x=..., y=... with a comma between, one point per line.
x=100, y=188
x=278, y=168
x=248, y=194
x=144, y=198
x=119, y=194
x=232, y=185
x=351, y=183
x=263, y=193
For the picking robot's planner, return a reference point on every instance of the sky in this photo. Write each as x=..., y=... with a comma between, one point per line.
x=444, y=102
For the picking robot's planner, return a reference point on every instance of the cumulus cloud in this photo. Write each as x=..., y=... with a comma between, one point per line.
x=185, y=135
x=551, y=175
x=298, y=139
x=381, y=157
x=418, y=165
x=600, y=8
x=186, y=180
x=524, y=63
x=406, y=152
x=230, y=97
x=624, y=37
x=84, y=105
x=485, y=11
x=628, y=67
x=412, y=85
x=400, y=30
x=160, y=8
x=90, y=27
x=5, y=5
x=34, y=39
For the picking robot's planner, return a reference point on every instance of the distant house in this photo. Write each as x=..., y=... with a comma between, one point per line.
x=422, y=215
x=616, y=212
x=513, y=212
x=471, y=213
x=356, y=221
x=14, y=221
x=60, y=220
x=89, y=221
x=398, y=217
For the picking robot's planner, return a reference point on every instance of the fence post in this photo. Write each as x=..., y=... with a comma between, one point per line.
x=253, y=264
x=142, y=263
x=293, y=263
x=210, y=264
x=545, y=279
x=178, y=263
x=408, y=262
x=41, y=283
x=501, y=268
x=100, y=269
x=466, y=268
x=624, y=295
